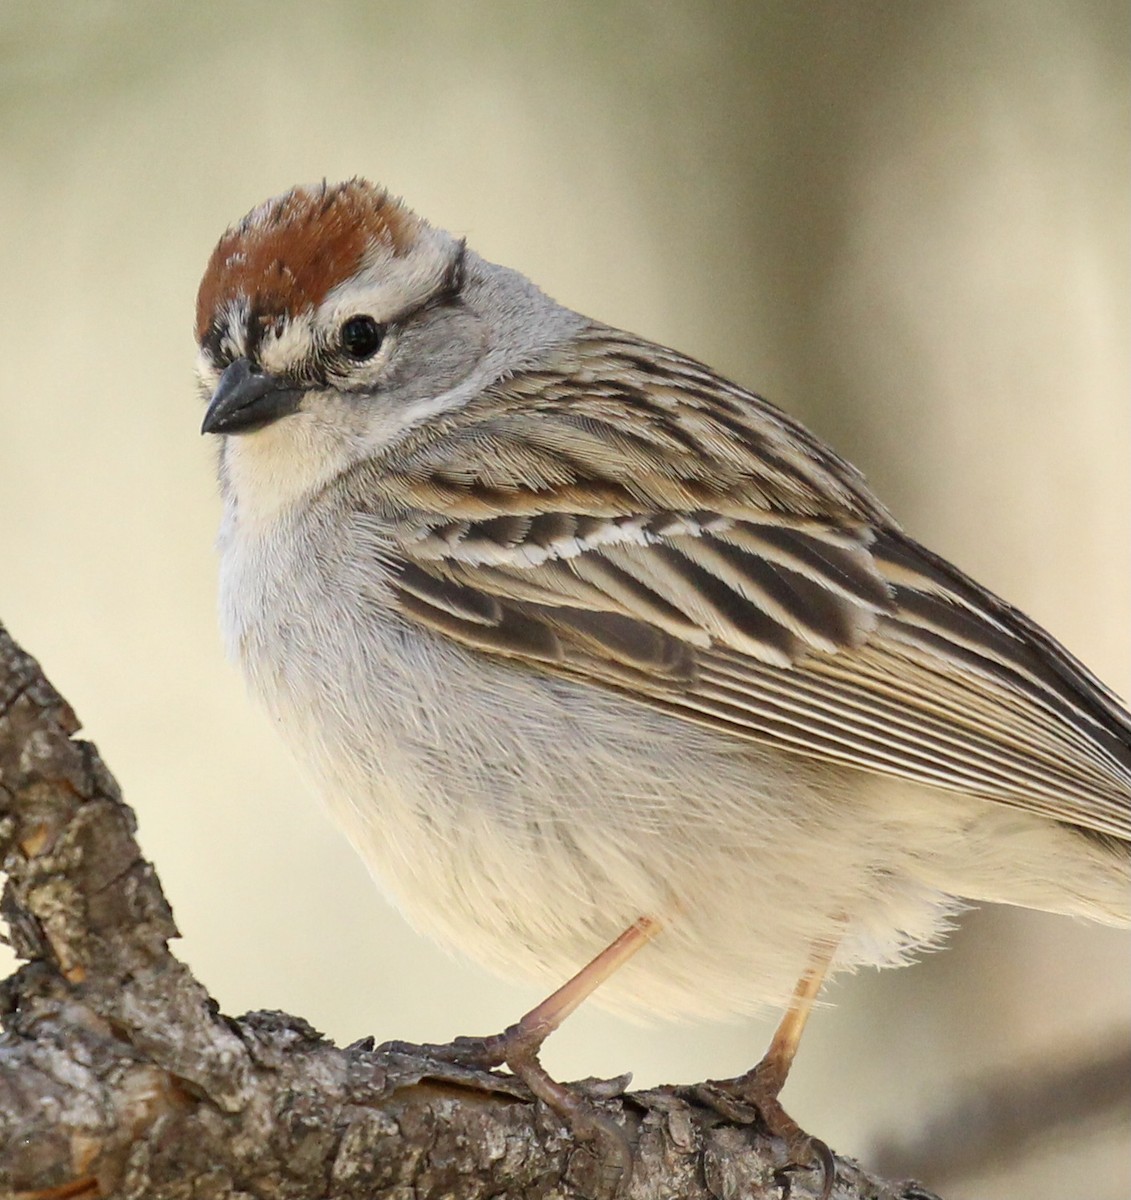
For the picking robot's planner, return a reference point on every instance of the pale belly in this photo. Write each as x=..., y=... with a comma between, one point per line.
x=526, y=820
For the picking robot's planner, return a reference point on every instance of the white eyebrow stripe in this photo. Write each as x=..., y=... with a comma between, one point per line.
x=282, y=349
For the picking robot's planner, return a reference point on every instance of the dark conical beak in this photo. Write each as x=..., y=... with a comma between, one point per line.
x=246, y=399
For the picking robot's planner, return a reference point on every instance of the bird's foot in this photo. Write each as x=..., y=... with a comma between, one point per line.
x=477, y=1053
x=754, y=1097
x=517, y=1049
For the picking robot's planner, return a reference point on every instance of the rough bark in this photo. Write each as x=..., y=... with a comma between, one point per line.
x=120, y=1077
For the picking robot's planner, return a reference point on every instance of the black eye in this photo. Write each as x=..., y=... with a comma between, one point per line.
x=362, y=337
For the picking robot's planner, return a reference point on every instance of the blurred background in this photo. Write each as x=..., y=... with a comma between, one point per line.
x=906, y=223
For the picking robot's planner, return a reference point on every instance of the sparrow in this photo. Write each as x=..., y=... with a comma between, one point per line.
x=611, y=671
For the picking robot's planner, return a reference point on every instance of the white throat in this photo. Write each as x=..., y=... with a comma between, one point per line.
x=266, y=473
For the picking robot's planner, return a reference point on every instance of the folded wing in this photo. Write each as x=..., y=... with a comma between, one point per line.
x=718, y=563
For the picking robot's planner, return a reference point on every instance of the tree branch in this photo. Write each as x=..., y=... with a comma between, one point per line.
x=120, y=1077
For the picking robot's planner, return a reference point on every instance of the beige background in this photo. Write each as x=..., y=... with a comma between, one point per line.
x=905, y=222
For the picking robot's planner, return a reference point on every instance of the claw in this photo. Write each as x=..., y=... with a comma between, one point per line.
x=517, y=1048
x=575, y=1105
x=756, y=1092
x=753, y=1097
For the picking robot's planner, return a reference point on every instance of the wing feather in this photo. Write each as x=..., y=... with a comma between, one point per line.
x=712, y=559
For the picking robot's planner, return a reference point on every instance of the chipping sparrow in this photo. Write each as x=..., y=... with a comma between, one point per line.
x=577, y=636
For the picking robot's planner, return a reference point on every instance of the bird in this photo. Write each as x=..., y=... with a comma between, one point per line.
x=616, y=676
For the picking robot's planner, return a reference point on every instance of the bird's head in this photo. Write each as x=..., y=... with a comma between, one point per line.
x=332, y=321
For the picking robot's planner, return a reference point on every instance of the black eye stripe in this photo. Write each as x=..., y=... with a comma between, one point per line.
x=361, y=337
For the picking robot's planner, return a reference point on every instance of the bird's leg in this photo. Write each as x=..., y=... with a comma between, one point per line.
x=759, y=1087
x=517, y=1047
x=770, y=1074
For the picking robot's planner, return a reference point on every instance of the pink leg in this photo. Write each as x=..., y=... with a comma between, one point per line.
x=534, y=1028
x=518, y=1045
x=776, y=1062
x=760, y=1086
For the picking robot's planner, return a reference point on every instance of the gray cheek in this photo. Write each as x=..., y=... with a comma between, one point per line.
x=435, y=353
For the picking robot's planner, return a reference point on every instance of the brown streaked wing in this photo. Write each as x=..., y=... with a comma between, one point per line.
x=736, y=573
x=994, y=721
